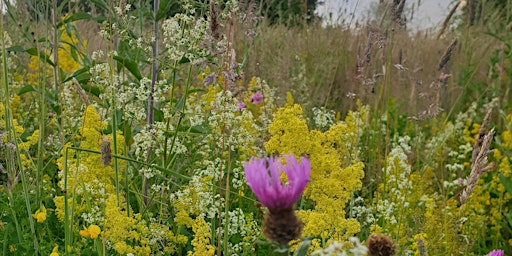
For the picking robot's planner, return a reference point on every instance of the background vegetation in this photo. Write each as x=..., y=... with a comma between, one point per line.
x=126, y=126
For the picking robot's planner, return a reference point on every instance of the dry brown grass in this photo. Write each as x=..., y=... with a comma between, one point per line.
x=324, y=65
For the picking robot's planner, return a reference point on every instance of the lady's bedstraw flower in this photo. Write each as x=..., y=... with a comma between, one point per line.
x=264, y=177
x=496, y=253
x=257, y=98
x=40, y=214
x=92, y=232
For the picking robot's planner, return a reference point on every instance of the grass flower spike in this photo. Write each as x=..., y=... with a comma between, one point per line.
x=264, y=178
x=278, y=193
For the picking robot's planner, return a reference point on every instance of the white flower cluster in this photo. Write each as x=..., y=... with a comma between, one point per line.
x=323, y=118
x=362, y=213
x=457, y=157
x=398, y=170
x=239, y=226
x=72, y=107
x=158, y=139
x=399, y=186
x=354, y=248
x=184, y=37
x=206, y=204
x=227, y=121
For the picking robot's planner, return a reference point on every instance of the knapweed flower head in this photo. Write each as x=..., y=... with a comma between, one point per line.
x=93, y=231
x=264, y=178
x=241, y=105
x=382, y=245
x=496, y=253
x=257, y=98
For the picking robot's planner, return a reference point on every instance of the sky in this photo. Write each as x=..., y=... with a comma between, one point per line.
x=429, y=13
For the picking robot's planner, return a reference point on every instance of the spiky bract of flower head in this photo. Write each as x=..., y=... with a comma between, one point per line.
x=380, y=245
x=264, y=178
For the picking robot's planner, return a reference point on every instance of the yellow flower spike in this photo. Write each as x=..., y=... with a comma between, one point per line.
x=40, y=214
x=55, y=251
x=94, y=231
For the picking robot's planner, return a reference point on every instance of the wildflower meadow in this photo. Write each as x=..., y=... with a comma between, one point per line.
x=254, y=127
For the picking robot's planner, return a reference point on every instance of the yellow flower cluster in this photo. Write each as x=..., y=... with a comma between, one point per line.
x=55, y=251
x=86, y=170
x=202, y=237
x=69, y=62
x=132, y=234
x=501, y=199
x=335, y=173
x=93, y=231
x=40, y=214
x=419, y=246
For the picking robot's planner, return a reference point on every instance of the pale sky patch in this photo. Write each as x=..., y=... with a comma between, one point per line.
x=427, y=13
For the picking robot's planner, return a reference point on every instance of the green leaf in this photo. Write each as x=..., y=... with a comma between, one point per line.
x=303, y=248
x=41, y=55
x=184, y=60
x=101, y=4
x=507, y=183
x=163, y=8
x=16, y=48
x=75, y=17
x=130, y=65
x=158, y=115
x=25, y=89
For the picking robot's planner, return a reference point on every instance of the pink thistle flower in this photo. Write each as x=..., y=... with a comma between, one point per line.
x=264, y=178
x=241, y=105
x=496, y=253
x=257, y=98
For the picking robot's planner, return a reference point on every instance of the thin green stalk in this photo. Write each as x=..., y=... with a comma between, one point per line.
x=11, y=135
x=42, y=129
x=226, y=206
x=185, y=96
x=114, y=142
x=67, y=228
x=11, y=170
x=151, y=101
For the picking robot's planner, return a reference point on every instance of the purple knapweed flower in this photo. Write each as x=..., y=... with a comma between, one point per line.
x=264, y=178
x=257, y=98
x=496, y=253
x=241, y=105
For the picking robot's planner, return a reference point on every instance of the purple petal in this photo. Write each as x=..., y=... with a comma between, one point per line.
x=264, y=178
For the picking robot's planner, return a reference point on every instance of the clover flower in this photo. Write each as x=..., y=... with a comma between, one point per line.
x=257, y=98
x=496, y=253
x=278, y=193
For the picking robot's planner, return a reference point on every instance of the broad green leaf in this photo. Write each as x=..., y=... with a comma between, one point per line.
x=101, y=4
x=163, y=8
x=41, y=55
x=75, y=17
x=25, y=89
x=130, y=65
x=303, y=248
